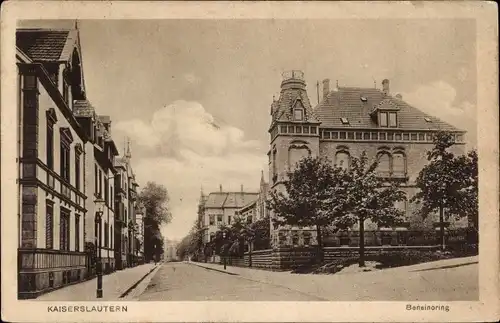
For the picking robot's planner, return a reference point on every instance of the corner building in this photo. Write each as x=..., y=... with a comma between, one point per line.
x=346, y=122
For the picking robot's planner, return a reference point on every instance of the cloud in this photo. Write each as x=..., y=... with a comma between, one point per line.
x=185, y=148
x=439, y=99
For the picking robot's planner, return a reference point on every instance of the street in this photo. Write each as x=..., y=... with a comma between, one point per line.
x=454, y=280
x=177, y=281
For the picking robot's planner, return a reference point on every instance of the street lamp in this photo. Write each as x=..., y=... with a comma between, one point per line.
x=99, y=205
x=224, y=244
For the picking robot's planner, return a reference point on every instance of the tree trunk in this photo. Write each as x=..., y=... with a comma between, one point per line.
x=441, y=231
x=319, y=238
x=361, y=241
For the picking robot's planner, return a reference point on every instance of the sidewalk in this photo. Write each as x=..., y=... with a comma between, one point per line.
x=114, y=285
x=452, y=279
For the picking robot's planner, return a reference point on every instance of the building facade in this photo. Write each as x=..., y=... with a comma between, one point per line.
x=346, y=122
x=220, y=208
x=139, y=220
x=66, y=162
x=51, y=154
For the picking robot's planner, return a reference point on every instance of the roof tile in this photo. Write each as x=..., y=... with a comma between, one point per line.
x=44, y=44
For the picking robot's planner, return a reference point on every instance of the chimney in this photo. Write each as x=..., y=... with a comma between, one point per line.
x=220, y=187
x=385, y=86
x=326, y=87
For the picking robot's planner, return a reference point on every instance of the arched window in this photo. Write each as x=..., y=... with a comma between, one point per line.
x=398, y=163
x=384, y=164
x=275, y=173
x=342, y=159
x=295, y=154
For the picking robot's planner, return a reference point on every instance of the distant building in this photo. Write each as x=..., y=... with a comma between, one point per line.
x=170, y=250
x=346, y=122
x=139, y=220
x=219, y=208
x=256, y=209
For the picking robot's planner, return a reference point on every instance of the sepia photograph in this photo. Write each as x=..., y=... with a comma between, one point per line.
x=248, y=160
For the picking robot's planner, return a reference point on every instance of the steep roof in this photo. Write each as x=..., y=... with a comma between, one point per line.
x=346, y=102
x=230, y=199
x=46, y=44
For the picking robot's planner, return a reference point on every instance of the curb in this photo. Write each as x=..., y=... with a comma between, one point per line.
x=137, y=283
x=219, y=270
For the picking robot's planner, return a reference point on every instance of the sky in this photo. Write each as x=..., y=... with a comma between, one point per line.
x=194, y=96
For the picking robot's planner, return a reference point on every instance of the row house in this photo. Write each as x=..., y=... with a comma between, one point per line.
x=51, y=159
x=346, y=122
x=125, y=233
x=67, y=162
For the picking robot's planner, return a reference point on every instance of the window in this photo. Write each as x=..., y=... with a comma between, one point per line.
x=398, y=136
x=406, y=136
x=393, y=120
x=366, y=136
x=275, y=172
x=291, y=129
x=212, y=220
x=295, y=239
x=342, y=160
x=374, y=136
x=364, y=99
x=298, y=114
x=307, y=239
x=313, y=130
x=298, y=129
x=229, y=219
x=414, y=137
x=429, y=137
x=100, y=183
x=421, y=137
x=64, y=230
x=384, y=164
x=111, y=237
x=111, y=196
x=305, y=129
x=49, y=225
x=398, y=163
x=350, y=135
x=77, y=232
x=326, y=135
x=283, y=129
x=65, y=169
x=402, y=205
x=344, y=120
x=77, y=170
x=50, y=144
x=335, y=135
x=96, y=180
x=212, y=236
x=359, y=135
x=390, y=136
x=427, y=119
x=219, y=219
x=382, y=136
x=106, y=234
x=106, y=191
x=383, y=119
x=342, y=135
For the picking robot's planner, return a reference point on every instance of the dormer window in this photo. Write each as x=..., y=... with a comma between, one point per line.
x=298, y=114
x=427, y=119
x=383, y=119
x=393, y=120
x=364, y=99
x=344, y=120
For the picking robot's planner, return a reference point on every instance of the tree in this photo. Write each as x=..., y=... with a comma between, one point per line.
x=448, y=183
x=154, y=198
x=315, y=195
x=368, y=197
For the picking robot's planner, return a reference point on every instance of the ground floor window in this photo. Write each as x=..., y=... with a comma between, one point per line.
x=49, y=225
x=64, y=229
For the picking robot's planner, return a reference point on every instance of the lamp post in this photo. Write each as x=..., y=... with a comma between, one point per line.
x=99, y=205
x=224, y=244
